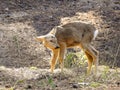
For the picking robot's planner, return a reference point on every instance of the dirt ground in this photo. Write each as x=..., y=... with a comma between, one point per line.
x=24, y=63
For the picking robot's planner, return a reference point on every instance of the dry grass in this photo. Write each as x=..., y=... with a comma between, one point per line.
x=24, y=63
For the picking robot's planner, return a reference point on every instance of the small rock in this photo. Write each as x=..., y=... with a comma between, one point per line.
x=6, y=9
x=28, y=87
x=75, y=86
x=118, y=84
x=7, y=86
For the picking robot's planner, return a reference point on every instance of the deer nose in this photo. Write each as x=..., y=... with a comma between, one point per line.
x=57, y=47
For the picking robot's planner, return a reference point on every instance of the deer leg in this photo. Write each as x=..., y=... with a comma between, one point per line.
x=54, y=59
x=90, y=62
x=94, y=54
x=62, y=55
x=95, y=59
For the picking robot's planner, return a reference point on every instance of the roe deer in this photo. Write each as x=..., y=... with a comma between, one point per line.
x=70, y=35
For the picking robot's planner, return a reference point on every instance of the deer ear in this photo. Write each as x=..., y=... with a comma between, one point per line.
x=40, y=38
x=54, y=30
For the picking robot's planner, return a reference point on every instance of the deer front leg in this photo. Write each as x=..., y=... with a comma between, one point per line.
x=54, y=59
x=62, y=55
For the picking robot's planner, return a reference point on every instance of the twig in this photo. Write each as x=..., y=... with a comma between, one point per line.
x=115, y=58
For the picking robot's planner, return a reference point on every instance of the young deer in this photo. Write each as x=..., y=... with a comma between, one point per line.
x=70, y=35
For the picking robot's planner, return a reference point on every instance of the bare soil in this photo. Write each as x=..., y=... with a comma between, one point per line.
x=24, y=63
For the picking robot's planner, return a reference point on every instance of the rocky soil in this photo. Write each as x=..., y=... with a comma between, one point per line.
x=24, y=63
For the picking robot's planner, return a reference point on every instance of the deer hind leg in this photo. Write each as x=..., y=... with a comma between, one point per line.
x=90, y=62
x=95, y=58
x=54, y=59
x=92, y=55
x=62, y=55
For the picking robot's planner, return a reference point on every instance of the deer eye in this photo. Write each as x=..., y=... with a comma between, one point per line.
x=51, y=40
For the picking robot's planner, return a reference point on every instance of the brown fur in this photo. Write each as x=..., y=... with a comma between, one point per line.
x=71, y=35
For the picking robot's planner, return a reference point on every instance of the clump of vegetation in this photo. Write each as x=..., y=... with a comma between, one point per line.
x=51, y=82
x=17, y=45
x=75, y=59
x=48, y=82
x=15, y=84
x=95, y=84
